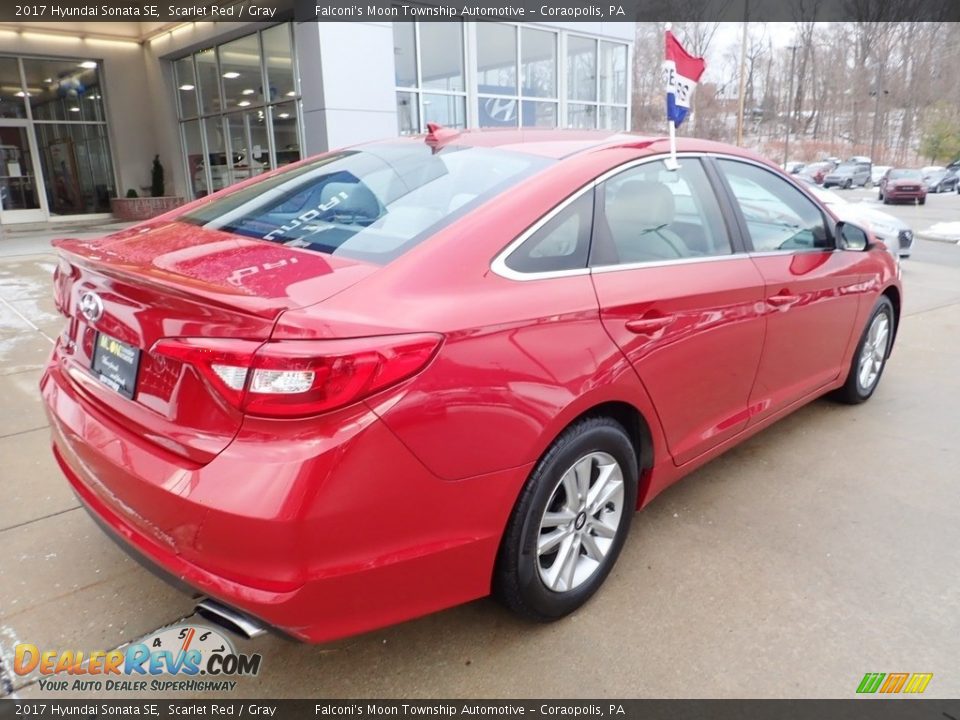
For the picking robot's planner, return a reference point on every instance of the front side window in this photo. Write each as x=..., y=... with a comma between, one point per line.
x=372, y=204
x=651, y=214
x=778, y=215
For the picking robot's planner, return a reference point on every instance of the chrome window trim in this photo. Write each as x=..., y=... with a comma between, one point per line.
x=499, y=264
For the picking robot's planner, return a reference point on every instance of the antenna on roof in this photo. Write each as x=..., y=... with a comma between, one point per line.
x=437, y=134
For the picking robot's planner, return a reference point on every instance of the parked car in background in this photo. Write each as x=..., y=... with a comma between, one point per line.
x=902, y=185
x=877, y=172
x=942, y=181
x=861, y=159
x=399, y=377
x=817, y=171
x=930, y=169
x=793, y=166
x=892, y=231
x=849, y=174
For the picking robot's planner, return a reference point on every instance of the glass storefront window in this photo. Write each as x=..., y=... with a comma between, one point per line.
x=12, y=94
x=581, y=116
x=405, y=53
x=278, y=60
x=77, y=168
x=18, y=186
x=613, y=118
x=208, y=82
x=240, y=73
x=408, y=114
x=286, y=139
x=539, y=63
x=249, y=147
x=448, y=110
x=441, y=55
x=581, y=68
x=496, y=59
x=249, y=109
x=613, y=73
x=67, y=90
x=539, y=114
x=193, y=147
x=186, y=82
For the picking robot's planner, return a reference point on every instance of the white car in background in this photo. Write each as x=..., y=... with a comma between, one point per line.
x=891, y=231
x=878, y=172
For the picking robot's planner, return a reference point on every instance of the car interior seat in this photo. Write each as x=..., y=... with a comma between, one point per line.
x=638, y=217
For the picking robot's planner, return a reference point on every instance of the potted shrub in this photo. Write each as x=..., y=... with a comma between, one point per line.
x=134, y=207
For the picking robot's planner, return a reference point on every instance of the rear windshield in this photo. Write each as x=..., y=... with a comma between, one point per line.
x=372, y=204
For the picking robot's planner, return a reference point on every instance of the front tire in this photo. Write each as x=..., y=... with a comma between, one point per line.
x=870, y=358
x=570, y=522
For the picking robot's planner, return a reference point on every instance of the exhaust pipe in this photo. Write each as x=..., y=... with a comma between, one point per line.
x=229, y=619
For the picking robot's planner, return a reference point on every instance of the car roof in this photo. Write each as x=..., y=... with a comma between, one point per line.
x=560, y=144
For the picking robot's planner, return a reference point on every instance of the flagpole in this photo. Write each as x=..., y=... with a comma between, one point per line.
x=671, y=162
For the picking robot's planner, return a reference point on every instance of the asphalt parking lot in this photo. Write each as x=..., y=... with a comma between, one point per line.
x=819, y=550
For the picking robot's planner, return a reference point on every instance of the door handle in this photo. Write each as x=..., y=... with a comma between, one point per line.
x=648, y=325
x=782, y=300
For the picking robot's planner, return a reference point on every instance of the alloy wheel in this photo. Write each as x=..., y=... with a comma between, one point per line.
x=874, y=351
x=580, y=522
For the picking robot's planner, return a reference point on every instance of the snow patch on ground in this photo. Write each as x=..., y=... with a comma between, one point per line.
x=944, y=231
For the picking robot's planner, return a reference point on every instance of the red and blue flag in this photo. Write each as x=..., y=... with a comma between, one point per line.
x=682, y=71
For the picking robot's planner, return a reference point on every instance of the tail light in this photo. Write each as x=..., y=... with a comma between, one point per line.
x=296, y=378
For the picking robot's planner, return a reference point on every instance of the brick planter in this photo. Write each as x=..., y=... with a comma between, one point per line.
x=143, y=208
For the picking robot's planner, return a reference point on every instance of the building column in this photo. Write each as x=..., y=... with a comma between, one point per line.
x=347, y=83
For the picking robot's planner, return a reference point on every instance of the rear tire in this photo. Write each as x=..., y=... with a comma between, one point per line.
x=570, y=522
x=870, y=358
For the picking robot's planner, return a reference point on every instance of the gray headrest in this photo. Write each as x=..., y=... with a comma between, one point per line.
x=640, y=205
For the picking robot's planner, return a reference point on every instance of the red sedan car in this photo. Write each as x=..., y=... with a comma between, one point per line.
x=401, y=376
x=903, y=184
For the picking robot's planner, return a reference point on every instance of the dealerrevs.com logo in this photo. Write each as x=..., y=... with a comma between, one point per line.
x=890, y=683
x=179, y=658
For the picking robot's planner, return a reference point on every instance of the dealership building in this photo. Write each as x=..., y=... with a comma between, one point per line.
x=86, y=106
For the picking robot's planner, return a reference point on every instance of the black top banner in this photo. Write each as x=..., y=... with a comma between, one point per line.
x=586, y=709
x=61, y=11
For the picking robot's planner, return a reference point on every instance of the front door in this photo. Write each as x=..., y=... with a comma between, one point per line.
x=811, y=294
x=22, y=195
x=680, y=298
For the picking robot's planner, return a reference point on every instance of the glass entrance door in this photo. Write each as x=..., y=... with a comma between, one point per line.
x=22, y=196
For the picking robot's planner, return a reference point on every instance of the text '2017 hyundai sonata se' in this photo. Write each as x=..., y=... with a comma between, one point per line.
x=401, y=376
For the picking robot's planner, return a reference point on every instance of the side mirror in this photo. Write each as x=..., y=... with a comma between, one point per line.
x=852, y=237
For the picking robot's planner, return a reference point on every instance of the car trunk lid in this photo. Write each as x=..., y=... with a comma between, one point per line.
x=176, y=280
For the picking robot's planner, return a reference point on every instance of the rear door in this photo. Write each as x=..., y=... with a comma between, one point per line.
x=680, y=297
x=811, y=294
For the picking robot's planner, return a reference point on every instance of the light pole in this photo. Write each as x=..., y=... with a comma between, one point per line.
x=786, y=142
x=743, y=77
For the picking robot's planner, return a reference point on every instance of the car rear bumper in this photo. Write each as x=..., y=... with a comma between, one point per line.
x=322, y=528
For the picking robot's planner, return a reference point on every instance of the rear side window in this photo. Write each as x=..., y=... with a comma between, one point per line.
x=651, y=214
x=562, y=243
x=778, y=215
x=372, y=204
